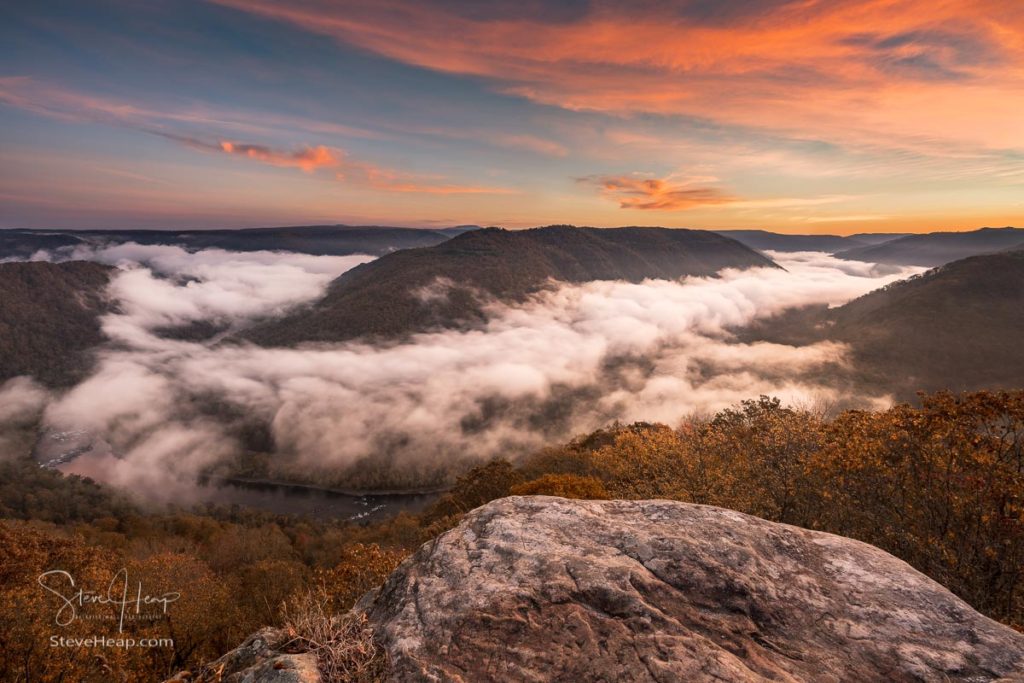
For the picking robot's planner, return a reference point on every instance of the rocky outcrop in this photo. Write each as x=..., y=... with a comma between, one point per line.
x=542, y=589
x=258, y=660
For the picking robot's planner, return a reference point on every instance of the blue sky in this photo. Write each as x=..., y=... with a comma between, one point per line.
x=845, y=116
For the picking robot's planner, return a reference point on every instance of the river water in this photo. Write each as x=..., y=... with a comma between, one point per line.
x=78, y=452
x=289, y=499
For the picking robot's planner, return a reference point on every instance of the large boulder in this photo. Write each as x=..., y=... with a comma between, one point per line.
x=542, y=589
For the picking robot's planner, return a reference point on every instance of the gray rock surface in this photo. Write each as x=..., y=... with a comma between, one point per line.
x=547, y=589
x=257, y=660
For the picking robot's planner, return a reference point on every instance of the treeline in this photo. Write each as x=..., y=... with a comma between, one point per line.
x=28, y=491
x=940, y=486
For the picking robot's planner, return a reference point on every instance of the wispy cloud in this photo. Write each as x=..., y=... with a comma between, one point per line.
x=532, y=143
x=390, y=181
x=345, y=169
x=308, y=159
x=669, y=194
x=850, y=69
x=857, y=218
x=69, y=105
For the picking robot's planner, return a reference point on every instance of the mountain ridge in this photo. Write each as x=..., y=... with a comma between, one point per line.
x=447, y=285
x=955, y=327
x=320, y=240
x=937, y=248
x=765, y=240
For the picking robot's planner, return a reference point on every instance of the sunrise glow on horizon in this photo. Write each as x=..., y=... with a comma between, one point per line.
x=799, y=116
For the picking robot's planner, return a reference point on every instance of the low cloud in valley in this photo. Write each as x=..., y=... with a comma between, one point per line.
x=570, y=359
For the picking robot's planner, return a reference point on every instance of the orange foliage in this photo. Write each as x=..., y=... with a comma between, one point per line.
x=564, y=486
x=940, y=486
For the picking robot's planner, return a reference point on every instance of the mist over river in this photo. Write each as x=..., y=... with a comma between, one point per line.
x=291, y=499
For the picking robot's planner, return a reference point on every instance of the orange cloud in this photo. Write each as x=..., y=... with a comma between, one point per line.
x=346, y=169
x=657, y=194
x=69, y=105
x=309, y=159
x=848, y=70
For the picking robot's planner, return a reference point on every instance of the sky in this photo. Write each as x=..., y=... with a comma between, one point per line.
x=800, y=116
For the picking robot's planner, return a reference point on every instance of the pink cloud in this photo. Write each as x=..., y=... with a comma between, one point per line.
x=70, y=105
x=312, y=159
x=309, y=159
x=846, y=70
x=632, y=192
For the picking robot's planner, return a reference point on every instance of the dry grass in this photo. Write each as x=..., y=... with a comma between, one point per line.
x=343, y=644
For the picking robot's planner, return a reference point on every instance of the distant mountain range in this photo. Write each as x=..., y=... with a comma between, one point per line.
x=22, y=244
x=937, y=248
x=928, y=250
x=49, y=319
x=334, y=240
x=448, y=284
x=956, y=327
x=762, y=240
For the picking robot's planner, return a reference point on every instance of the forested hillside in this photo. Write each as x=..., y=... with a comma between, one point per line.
x=49, y=319
x=447, y=285
x=957, y=327
x=937, y=248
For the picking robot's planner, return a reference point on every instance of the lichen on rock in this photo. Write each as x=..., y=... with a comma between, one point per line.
x=540, y=589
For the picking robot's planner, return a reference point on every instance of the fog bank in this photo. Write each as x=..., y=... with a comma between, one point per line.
x=567, y=361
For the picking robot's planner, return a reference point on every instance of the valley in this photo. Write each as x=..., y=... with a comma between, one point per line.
x=461, y=333
x=581, y=341
x=284, y=417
